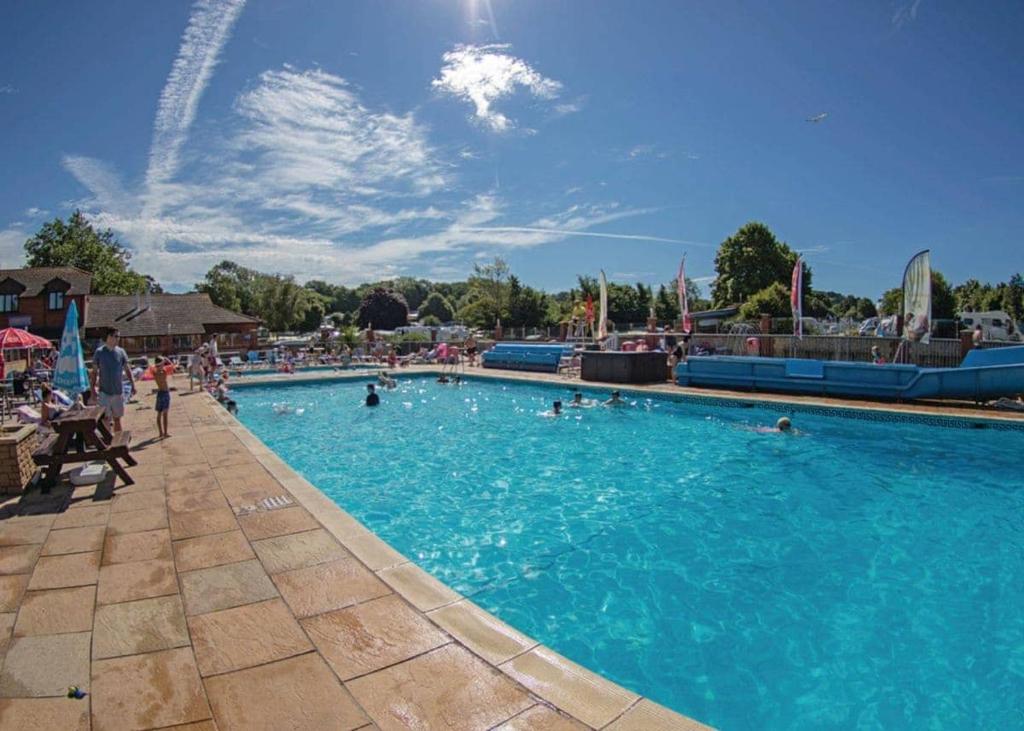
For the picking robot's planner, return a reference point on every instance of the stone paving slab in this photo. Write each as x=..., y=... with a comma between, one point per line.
x=179, y=603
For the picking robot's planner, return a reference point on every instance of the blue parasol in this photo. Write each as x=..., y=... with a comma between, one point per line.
x=69, y=373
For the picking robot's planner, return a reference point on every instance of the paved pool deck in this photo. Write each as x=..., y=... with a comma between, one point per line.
x=223, y=591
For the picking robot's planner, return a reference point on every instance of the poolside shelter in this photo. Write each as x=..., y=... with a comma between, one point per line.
x=169, y=323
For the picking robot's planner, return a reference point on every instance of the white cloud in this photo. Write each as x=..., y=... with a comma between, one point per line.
x=209, y=28
x=34, y=212
x=12, y=247
x=646, y=152
x=819, y=249
x=304, y=178
x=905, y=14
x=7, y=89
x=309, y=129
x=571, y=107
x=103, y=182
x=485, y=74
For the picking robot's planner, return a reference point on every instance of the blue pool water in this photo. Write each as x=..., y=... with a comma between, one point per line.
x=861, y=574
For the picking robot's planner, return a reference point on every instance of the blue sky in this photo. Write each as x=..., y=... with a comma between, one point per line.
x=353, y=141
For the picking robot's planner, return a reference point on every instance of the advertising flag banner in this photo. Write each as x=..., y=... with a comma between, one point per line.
x=917, y=298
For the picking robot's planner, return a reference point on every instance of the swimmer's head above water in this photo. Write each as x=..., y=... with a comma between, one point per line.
x=784, y=424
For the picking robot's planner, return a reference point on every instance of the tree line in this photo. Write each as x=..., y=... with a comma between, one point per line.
x=753, y=270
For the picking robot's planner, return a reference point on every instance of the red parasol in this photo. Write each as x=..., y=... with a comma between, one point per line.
x=11, y=338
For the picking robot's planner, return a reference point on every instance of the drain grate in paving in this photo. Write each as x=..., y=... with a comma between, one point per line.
x=273, y=503
x=269, y=503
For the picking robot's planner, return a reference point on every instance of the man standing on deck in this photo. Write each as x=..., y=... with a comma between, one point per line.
x=111, y=363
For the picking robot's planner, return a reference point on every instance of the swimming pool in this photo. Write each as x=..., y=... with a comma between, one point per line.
x=860, y=574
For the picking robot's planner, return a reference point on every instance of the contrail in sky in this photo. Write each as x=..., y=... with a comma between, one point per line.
x=208, y=30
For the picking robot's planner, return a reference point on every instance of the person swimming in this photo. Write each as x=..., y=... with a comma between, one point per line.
x=386, y=381
x=578, y=402
x=372, y=399
x=782, y=426
x=556, y=410
x=615, y=400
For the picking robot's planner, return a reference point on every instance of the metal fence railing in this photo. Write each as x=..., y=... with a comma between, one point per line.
x=939, y=353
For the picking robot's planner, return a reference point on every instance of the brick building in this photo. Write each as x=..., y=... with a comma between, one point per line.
x=168, y=323
x=37, y=299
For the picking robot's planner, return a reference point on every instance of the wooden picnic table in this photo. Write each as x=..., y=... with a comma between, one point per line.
x=84, y=430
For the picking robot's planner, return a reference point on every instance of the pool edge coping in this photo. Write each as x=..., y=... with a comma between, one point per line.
x=573, y=689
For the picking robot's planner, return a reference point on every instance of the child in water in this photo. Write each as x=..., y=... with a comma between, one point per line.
x=578, y=402
x=615, y=400
x=556, y=410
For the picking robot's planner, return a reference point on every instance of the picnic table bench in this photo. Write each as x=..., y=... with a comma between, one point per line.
x=83, y=430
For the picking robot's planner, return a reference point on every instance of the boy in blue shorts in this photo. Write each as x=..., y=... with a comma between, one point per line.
x=163, y=396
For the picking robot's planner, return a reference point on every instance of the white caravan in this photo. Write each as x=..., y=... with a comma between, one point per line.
x=995, y=324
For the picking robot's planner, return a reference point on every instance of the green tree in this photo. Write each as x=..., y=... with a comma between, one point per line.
x=76, y=243
x=815, y=304
x=892, y=302
x=339, y=298
x=971, y=296
x=749, y=261
x=452, y=291
x=666, y=305
x=282, y=304
x=527, y=307
x=413, y=290
x=1013, y=298
x=438, y=306
x=384, y=309
x=233, y=287
x=863, y=309
x=316, y=310
x=772, y=300
x=943, y=301
x=486, y=300
x=628, y=304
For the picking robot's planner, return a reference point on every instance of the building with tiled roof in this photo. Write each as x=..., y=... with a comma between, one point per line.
x=37, y=298
x=168, y=323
